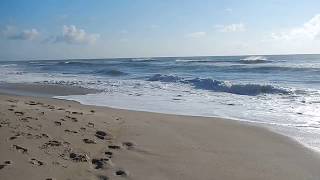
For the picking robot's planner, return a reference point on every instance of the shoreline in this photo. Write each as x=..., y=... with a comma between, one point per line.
x=58, y=91
x=140, y=145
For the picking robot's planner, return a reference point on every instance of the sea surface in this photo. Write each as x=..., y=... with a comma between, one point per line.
x=281, y=92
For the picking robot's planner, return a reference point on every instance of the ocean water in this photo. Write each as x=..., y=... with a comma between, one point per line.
x=281, y=92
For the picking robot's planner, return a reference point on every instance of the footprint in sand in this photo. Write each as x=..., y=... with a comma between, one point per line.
x=26, y=119
x=128, y=145
x=88, y=141
x=109, y=154
x=6, y=163
x=57, y=123
x=52, y=143
x=45, y=135
x=90, y=124
x=80, y=113
x=14, y=137
x=70, y=131
x=19, y=113
x=78, y=157
x=102, y=135
x=20, y=149
x=100, y=163
x=31, y=103
x=74, y=119
x=51, y=107
x=114, y=147
x=121, y=173
x=36, y=162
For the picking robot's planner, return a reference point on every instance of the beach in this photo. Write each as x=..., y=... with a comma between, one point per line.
x=46, y=138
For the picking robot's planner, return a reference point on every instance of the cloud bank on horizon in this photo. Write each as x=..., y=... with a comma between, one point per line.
x=95, y=29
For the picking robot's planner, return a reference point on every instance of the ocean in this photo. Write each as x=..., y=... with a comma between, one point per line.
x=281, y=92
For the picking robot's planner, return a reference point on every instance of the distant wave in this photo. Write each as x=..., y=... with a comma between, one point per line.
x=254, y=60
x=164, y=78
x=247, y=60
x=222, y=86
x=111, y=72
x=195, y=60
x=74, y=63
x=273, y=69
x=142, y=59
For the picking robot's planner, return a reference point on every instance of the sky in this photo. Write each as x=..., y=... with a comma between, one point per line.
x=63, y=29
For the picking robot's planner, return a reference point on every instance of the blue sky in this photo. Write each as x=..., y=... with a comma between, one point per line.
x=54, y=29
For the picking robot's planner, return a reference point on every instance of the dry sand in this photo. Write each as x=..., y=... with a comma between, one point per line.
x=43, y=138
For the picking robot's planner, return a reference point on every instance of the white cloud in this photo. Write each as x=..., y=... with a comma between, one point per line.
x=11, y=32
x=198, y=34
x=72, y=35
x=309, y=30
x=237, y=27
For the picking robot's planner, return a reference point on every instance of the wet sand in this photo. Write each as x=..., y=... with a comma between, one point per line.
x=43, y=138
x=42, y=90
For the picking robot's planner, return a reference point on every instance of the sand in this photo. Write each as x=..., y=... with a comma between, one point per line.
x=43, y=138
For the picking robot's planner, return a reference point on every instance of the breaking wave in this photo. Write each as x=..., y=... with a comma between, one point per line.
x=222, y=86
x=254, y=60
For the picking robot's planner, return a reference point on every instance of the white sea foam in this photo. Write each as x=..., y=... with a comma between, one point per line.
x=255, y=60
x=222, y=86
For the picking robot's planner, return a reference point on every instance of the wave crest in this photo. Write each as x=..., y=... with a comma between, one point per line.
x=222, y=86
x=254, y=60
